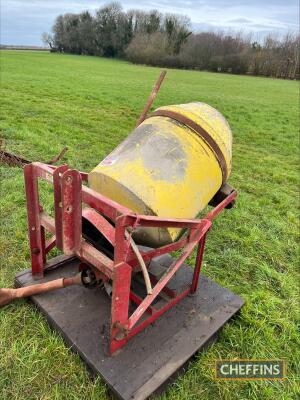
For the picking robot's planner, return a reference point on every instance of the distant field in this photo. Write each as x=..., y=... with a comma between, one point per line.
x=49, y=101
x=14, y=47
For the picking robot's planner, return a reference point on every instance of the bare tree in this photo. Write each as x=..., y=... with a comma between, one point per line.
x=47, y=39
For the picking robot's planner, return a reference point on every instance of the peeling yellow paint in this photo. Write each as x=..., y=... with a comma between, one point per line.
x=164, y=168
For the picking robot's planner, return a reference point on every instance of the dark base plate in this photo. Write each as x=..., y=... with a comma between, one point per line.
x=155, y=355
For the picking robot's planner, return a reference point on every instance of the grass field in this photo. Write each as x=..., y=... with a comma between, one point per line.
x=91, y=104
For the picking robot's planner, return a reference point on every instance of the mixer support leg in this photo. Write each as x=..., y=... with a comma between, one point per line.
x=120, y=303
x=35, y=230
x=198, y=265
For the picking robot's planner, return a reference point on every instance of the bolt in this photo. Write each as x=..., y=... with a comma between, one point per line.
x=122, y=331
x=69, y=209
x=35, y=250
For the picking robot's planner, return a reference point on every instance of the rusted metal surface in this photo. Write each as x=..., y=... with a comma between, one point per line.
x=198, y=264
x=119, y=304
x=58, y=157
x=94, y=257
x=69, y=195
x=186, y=251
x=151, y=97
x=34, y=223
x=71, y=211
x=12, y=160
x=8, y=295
x=50, y=244
x=16, y=161
x=101, y=223
x=200, y=131
x=58, y=204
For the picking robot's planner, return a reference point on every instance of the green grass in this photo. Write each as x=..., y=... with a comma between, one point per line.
x=91, y=104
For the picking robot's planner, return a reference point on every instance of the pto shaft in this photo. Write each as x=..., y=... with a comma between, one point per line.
x=8, y=295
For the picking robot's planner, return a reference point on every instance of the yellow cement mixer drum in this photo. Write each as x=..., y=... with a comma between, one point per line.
x=171, y=165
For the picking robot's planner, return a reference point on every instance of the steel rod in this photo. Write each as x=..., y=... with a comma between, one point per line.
x=151, y=98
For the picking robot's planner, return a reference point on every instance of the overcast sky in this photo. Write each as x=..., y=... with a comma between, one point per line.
x=23, y=21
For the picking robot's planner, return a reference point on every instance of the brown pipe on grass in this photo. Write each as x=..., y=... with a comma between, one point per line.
x=8, y=295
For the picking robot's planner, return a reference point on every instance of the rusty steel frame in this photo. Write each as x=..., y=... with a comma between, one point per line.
x=66, y=227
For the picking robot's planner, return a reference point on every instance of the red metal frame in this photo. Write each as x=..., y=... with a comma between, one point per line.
x=66, y=227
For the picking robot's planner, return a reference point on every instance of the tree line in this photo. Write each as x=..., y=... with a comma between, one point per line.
x=167, y=40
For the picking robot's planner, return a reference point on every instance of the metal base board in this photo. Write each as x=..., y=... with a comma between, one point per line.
x=148, y=361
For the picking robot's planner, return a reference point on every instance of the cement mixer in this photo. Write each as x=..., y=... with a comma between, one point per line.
x=140, y=203
x=171, y=165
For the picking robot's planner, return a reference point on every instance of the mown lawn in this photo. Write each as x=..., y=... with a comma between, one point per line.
x=90, y=104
